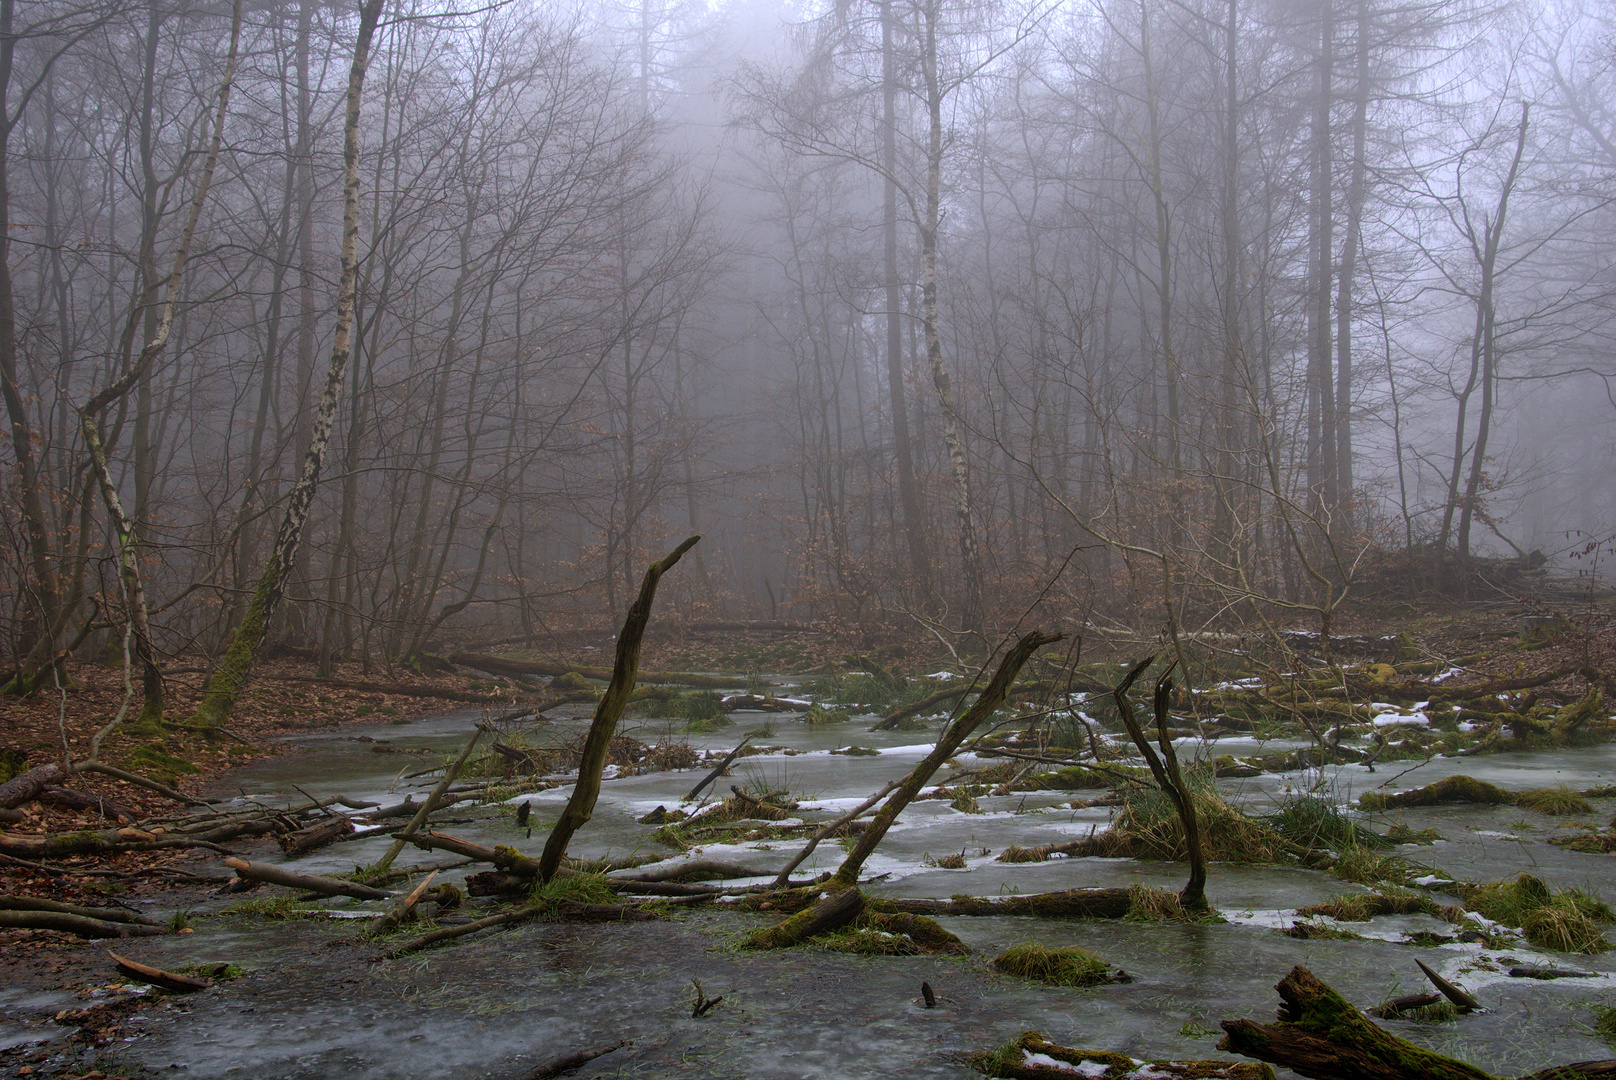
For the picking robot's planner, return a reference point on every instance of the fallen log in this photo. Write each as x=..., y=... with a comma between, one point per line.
x=784, y=879
x=831, y=912
x=506, y=858
x=26, y=786
x=1397, y=1006
x=99, y=842
x=1321, y=1036
x=693, y=870
x=325, y=886
x=404, y=910
x=1032, y=1057
x=117, y=915
x=67, y=799
x=168, y=980
x=400, y=689
x=1454, y=789
x=449, y=933
x=568, y=1062
x=764, y=703
x=1070, y=904
x=77, y=925
x=501, y=665
x=1459, y=997
x=915, y=708
x=300, y=843
x=433, y=799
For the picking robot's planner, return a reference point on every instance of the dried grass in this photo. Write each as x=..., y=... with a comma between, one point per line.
x=1067, y=966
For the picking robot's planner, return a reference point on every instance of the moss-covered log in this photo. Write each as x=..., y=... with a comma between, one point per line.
x=1320, y=1035
x=1455, y=789
x=1032, y=1057
x=832, y=911
x=1071, y=904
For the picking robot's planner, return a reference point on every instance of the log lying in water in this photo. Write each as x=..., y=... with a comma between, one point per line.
x=502, y=665
x=325, y=886
x=103, y=842
x=1032, y=1057
x=300, y=843
x=1321, y=1036
x=168, y=980
x=1071, y=904
x=568, y=1062
x=831, y=912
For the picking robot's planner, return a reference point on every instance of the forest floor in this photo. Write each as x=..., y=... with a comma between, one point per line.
x=286, y=701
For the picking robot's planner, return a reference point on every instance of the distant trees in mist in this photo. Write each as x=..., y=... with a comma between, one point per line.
x=1208, y=311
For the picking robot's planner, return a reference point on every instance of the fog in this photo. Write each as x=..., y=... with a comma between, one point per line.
x=920, y=312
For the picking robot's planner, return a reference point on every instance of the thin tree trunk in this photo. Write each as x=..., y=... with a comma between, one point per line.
x=227, y=680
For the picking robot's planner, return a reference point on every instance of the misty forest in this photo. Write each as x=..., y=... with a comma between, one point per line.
x=885, y=538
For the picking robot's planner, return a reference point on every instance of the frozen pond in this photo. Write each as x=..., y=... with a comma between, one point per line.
x=319, y=1004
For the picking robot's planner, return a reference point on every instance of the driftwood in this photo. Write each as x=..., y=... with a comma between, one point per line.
x=506, y=858
x=78, y=925
x=1397, y=1006
x=300, y=843
x=1320, y=1035
x=168, y=980
x=501, y=665
x=325, y=886
x=716, y=773
x=693, y=870
x=568, y=1062
x=117, y=915
x=597, y=744
x=831, y=912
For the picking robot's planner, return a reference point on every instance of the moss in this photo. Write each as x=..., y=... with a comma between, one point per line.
x=1566, y=922
x=1455, y=789
x=13, y=762
x=226, y=681
x=858, y=751
x=893, y=934
x=1361, y=907
x=158, y=765
x=1557, y=800
x=1589, y=843
x=1399, y=833
x=1067, y=966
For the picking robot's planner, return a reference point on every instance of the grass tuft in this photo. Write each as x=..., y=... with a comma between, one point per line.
x=1565, y=922
x=1067, y=966
x=1556, y=800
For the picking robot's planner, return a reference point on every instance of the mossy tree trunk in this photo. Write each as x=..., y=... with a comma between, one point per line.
x=230, y=677
x=1321, y=1035
x=610, y=708
x=947, y=745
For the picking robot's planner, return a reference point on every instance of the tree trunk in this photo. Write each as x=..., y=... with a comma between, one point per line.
x=230, y=677
x=598, y=742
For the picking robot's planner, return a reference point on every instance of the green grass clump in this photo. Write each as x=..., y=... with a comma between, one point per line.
x=1440, y=1012
x=1565, y=922
x=1312, y=931
x=1150, y=823
x=818, y=716
x=1148, y=904
x=280, y=907
x=1367, y=868
x=1556, y=800
x=1361, y=907
x=574, y=888
x=1402, y=834
x=1605, y=1021
x=1314, y=823
x=1067, y=966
